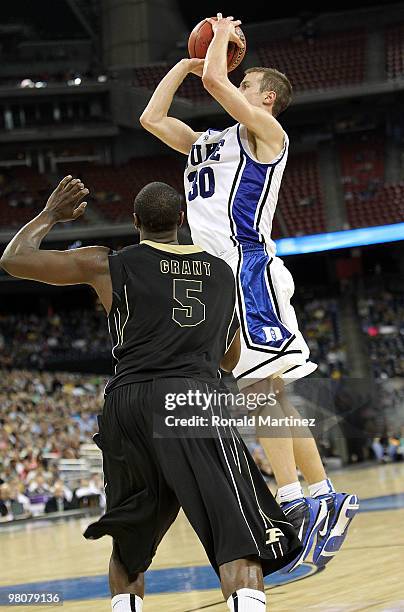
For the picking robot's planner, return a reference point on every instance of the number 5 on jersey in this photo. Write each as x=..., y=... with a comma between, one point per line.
x=192, y=311
x=203, y=183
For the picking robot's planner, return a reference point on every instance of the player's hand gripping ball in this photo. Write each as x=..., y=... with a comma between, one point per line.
x=202, y=35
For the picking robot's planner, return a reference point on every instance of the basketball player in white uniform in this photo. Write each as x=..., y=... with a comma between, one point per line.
x=232, y=180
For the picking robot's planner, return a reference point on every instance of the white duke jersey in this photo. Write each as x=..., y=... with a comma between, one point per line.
x=231, y=196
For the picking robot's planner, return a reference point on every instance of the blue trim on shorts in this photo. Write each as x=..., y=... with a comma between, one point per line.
x=263, y=325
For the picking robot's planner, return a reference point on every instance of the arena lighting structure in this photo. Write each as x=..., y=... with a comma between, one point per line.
x=363, y=236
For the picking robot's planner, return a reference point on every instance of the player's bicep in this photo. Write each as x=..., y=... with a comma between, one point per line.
x=173, y=132
x=78, y=266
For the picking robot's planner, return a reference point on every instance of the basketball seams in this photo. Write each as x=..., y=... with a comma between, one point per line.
x=193, y=37
x=201, y=37
x=238, y=54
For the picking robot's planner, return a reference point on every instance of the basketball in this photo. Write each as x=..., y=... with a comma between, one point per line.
x=200, y=39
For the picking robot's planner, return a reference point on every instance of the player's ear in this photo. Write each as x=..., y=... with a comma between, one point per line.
x=181, y=219
x=136, y=221
x=269, y=98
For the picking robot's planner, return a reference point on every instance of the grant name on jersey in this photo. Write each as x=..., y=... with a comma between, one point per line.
x=186, y=267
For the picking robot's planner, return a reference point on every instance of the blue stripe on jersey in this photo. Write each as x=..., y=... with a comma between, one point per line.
x=245, y=212
x=263, y=325
x=246, y=200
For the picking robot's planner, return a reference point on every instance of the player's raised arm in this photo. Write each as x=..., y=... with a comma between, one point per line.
x=23, y=257
x=173, y=132
x=256, y=118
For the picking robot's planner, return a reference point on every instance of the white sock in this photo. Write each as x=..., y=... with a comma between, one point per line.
x=321, y=488
x=289, y=493
x=247, y=600
x=126, y=602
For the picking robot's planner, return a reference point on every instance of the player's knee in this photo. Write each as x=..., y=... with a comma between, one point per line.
x=277, y=386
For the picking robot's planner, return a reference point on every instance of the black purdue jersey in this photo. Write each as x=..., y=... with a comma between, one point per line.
x=173, y=312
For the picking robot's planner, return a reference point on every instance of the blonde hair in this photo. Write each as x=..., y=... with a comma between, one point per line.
x=275, y=81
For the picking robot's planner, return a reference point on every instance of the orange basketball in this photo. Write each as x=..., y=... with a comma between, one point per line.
x=201, y=37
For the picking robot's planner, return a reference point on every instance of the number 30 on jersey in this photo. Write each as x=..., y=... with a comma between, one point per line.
x=203, y=183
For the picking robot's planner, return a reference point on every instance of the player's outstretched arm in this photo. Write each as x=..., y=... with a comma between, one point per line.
x=23, y=257
x=173, y=132
x=215, y=80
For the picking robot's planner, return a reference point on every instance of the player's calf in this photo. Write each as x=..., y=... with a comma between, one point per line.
x=243, y=585
x=127, y=591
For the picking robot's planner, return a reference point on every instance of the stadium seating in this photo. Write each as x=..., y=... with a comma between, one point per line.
x=150, y=76
x=11, y=217
x=113, y=188
x=300, y=198
x=319, y=62
x=362, y=161
x=382, y=316
x=22, y=193
x=48, y=420
x=394, y=49
x=368, y=200
x=33, y=341
x=385, y=207
x=319, y=323
x=192, y=88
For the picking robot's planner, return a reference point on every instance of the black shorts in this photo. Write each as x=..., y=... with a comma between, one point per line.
x=148, y=477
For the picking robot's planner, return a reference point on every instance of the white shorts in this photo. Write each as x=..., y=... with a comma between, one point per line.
x=271, y=343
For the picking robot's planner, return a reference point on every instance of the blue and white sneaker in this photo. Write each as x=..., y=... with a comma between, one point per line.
x=341, y=509
x=307, y=516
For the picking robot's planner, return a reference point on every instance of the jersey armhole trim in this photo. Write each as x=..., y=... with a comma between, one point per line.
x=274, y=163
x=114, y=261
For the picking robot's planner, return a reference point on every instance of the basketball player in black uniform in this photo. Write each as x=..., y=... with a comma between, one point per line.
x=172, y=323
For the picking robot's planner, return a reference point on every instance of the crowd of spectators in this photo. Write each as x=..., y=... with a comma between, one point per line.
x=382, y=318
x=38, y=341
x=44, y=418
x=362, y=159
x=364, y=194
x=318, y=321
x=34, y=341
x=15, y=193
x=47, y=417
x=388, y=447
